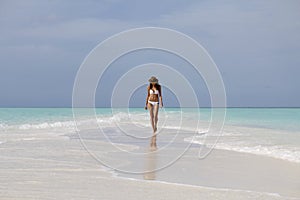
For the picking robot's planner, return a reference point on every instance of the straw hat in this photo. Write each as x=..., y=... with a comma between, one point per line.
x=153, y=79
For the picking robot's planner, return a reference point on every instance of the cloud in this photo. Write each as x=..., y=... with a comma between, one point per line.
x=254, y=43
x=82, y=29
x=239, y=20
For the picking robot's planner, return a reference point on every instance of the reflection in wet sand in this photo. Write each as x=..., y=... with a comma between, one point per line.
x=153, y=143
x=150, y=163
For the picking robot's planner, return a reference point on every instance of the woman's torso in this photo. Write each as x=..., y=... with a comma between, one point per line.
x=153, y=94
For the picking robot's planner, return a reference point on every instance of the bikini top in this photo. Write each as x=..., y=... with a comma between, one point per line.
x=153, y=92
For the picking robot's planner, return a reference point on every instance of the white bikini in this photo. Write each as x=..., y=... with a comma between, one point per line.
x=153, y=102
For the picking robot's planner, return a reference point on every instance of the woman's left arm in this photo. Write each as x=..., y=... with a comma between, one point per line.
x=160, y=97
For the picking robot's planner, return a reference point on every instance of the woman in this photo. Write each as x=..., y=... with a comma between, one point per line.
x=153, y=101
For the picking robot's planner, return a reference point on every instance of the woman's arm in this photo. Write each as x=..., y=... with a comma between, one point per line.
x=147, y=97
x=160, y=96
x=161, y=102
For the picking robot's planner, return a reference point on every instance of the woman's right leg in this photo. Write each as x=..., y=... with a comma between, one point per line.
x=150, y=108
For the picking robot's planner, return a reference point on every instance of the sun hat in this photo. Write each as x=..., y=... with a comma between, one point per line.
x=153, y=79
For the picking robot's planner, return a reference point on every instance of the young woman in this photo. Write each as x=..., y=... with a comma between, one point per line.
x=153, y=101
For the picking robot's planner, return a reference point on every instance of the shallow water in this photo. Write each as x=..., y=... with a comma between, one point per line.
x=273, y=132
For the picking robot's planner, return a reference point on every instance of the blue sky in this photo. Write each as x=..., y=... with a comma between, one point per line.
x=255, y=44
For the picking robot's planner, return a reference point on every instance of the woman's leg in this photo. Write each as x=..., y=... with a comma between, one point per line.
x=155, y=116
x=150, y=108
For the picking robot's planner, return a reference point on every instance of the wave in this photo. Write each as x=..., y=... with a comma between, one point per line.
x=39, y=126
x=45, y=125
x=137, y=118
x=72, y=124
x=291, y=154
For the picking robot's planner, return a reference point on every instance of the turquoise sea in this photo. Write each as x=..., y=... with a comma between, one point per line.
x=271, y=132
x=273, y=118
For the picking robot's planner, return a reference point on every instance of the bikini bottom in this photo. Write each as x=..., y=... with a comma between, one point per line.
x=153, y=102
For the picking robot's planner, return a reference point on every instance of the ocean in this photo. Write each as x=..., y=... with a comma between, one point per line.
x=272, y=132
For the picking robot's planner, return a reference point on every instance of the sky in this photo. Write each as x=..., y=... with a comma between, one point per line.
x=255, y=44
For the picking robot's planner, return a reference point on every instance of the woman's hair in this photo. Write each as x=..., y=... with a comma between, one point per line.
x=157, y=86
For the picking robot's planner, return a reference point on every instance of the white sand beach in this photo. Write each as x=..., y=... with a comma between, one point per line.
x=56, y=166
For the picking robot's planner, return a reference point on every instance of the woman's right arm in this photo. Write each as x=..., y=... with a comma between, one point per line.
x=147, y=97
